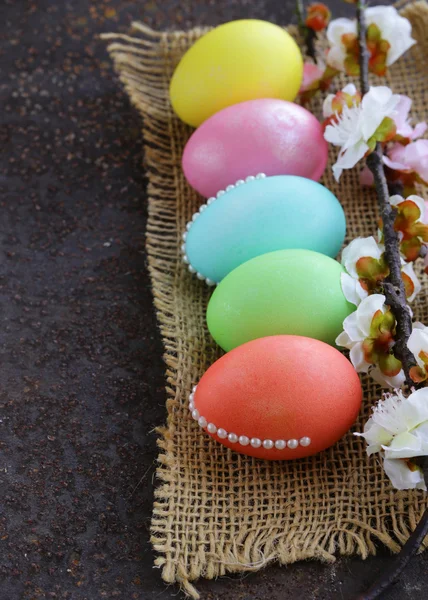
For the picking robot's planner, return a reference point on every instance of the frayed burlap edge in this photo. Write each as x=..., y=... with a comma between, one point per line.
x=204, y=522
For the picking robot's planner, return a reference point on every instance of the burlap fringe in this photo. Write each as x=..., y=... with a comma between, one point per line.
x=215, y=512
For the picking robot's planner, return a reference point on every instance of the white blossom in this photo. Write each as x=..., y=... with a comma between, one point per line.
x=402, y=476
x=356, y=328
x=398, y=429
x=351, y=254
x=403, y=123
x=327, y=108
x=407, y=269
x=396, y=200
x=369, y=248
x=354, y=126
x=394, y=29
x=360, y=248
x=418, y=342
x=337, y=52
x=383, y=380
x=352, y=289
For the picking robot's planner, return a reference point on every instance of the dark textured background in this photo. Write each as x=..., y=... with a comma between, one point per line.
x=82, y=382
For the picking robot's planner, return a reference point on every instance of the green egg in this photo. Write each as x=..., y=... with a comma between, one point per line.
x=294, y=292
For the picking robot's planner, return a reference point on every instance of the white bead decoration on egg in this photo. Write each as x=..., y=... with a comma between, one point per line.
x=203, y=207
x=243, y=440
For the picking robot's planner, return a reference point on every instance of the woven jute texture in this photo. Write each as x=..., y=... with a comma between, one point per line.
x=217, y=511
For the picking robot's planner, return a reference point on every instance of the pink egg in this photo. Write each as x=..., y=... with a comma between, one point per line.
x=268, y=136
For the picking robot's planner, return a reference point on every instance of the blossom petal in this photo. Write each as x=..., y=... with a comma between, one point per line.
x=350, y=89
x=358, y=361
x=420, y=203
x=417, y=342
x=327, y=109
x=344, y=340
x=336, y=58
x=349, y=158
x=339, y=27
x=403, y=445
x=396, y=199
x=410, y=272
x=416, y=157
x=402, y=122
x=401, y=477
x=401, y=118
x=375, y=436
x=359, y=248
x=311, y=74
x=365, y=311
x=352, y=329
x=394, y=165
x=395, y=382
x=352, y=289
x=377, y=104
x=419, y=130
x=416, y=408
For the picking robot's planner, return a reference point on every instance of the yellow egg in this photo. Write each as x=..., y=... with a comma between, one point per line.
x=237, y=61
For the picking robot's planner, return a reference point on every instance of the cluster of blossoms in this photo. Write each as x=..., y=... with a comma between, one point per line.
x=355, y=125
x=369, y=332
x=398, y=430
x=388, y=38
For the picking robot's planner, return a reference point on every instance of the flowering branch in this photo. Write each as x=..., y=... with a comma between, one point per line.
x=393, y=286
x=404, y=466
x=362, y=46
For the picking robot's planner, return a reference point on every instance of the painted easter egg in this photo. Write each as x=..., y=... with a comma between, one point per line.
x=293, y=292
x=271, y=397
x=259, y=136
x=260, y=216
x=234, y=62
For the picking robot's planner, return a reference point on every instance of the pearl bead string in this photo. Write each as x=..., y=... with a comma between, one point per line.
x=219, y=194
x=242, y=440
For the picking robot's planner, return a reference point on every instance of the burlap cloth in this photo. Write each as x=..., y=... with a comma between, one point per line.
x=216, y=511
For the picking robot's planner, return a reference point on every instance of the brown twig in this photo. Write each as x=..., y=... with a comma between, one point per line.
x=393, y=286
x=409, y=549
x=309, y=34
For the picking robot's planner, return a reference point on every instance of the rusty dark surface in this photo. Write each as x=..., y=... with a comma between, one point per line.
x=82, y=383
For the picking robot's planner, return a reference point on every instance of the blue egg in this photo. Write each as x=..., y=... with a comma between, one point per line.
x=262, y=215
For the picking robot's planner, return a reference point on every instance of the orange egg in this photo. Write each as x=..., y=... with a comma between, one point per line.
x=278, y=398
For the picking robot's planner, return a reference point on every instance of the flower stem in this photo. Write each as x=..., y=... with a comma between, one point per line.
x=409, y=549
x=362, y=46
x=308, y=33
x=393, y=286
